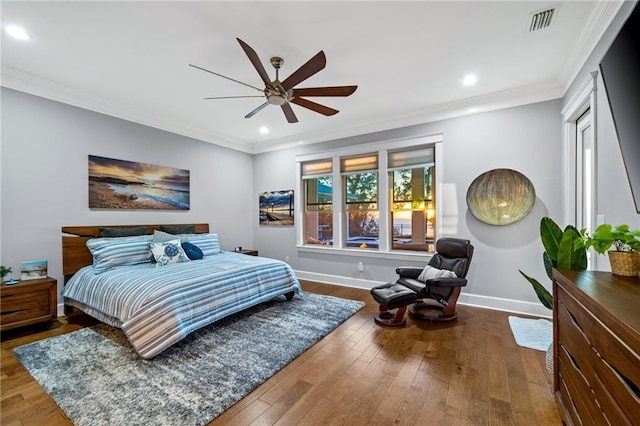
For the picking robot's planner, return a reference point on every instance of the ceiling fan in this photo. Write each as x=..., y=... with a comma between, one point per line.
x=284, y=93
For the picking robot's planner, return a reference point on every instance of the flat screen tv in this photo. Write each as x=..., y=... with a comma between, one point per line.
x=620, y=68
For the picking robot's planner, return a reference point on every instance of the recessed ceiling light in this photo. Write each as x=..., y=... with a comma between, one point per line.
x=17, y=32
x=470, y=80
x=264, y=130
x=472, y=110
x=300, y=142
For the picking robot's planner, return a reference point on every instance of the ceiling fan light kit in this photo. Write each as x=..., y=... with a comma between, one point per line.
x=284, y=93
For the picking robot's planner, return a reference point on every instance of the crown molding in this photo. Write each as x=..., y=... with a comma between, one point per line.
x=486, y=103
x=593, y=30
x=16, y=79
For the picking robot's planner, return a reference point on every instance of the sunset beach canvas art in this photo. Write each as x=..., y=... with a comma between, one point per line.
x=276, y=208
x=120, y=184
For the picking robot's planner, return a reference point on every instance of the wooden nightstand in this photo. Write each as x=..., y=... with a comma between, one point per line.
x=28, y=302
x=249, y=252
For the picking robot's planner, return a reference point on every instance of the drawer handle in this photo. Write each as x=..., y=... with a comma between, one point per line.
x=12, y=312
x=630, y=384
x=573, y=362
x=575, y=321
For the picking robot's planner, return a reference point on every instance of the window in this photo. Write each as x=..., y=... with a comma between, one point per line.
x=412, y=216
x=318, y=202
x=360, y=189
x=376, y=198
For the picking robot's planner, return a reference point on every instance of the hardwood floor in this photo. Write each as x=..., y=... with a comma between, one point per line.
x=469, y=372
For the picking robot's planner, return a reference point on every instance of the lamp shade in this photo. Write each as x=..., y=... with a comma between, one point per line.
x=501, y=197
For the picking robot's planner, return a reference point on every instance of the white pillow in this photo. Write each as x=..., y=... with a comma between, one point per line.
x=429, y=273
x=168, y=252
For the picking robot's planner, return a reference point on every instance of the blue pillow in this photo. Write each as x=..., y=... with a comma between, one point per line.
x=192, y=251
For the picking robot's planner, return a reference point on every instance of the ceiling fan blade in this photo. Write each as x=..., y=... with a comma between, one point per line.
x=224, y=76
x=257, y=110
x=324, y=110
x=232, y=97
x=288, y=112
x=311, y=67
x=325, y=91
x=253, y=57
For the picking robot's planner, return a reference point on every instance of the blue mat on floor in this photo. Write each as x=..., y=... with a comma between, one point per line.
x=532, y=333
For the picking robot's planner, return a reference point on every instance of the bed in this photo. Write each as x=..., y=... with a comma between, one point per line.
x=120, y=281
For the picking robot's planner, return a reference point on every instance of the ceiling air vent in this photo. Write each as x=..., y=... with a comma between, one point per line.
x=541, y=20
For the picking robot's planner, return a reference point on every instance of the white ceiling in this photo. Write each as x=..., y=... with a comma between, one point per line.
x=130, y=60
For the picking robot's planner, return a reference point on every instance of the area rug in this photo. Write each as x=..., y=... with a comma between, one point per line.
x=532, y=333
x=96, y=378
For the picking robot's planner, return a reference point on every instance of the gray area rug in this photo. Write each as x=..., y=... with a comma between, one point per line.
x=97, y=379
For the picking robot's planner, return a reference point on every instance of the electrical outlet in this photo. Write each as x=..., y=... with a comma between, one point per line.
x=361, y=266
x=286, y=259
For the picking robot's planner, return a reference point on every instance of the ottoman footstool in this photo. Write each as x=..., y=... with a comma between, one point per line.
x=392, y=296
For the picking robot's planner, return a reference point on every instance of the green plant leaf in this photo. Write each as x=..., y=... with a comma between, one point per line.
x=571, y=251
x=551, y=235
x=549, y=264
x=543, y=294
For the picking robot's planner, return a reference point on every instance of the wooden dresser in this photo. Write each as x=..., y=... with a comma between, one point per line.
x=596, y=328
x=28, y=302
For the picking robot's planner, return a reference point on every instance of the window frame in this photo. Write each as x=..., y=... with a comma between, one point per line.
x=384, y=203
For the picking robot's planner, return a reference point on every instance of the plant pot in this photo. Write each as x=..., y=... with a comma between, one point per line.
x=624, y=263
x=548, y=359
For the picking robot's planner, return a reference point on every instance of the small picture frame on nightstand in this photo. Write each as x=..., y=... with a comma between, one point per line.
x=33, y=269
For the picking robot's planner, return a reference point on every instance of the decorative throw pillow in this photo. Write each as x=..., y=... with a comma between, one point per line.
x=178, y=229
x=161, y=237
x=123, y=232
x=122, y=251
x=429, y=273
x=168, y=252
x=208, y=243
x=192, y=251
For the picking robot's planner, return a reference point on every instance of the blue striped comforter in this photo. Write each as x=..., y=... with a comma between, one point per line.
x=157, y=307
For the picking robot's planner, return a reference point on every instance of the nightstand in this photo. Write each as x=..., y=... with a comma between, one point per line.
x=249, y=252
x=28, y=302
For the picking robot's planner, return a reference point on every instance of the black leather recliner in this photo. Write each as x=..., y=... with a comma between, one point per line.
x=437, y=297
x=441, y=294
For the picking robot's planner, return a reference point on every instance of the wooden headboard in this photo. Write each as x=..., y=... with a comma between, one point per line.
x=76, y=255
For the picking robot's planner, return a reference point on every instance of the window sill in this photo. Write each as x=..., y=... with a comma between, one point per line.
x=358, y=252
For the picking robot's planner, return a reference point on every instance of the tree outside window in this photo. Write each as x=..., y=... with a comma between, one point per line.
x=362, y=220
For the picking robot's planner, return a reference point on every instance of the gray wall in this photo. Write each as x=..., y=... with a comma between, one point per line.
x=523, y=138
x=44, y=169
x=615, y=201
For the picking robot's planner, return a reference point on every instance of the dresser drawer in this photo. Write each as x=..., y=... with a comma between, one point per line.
x=580, y=395
x=28, y=303
x=620, y=387
x=597, y=336
x=575, y=342
x=614, y=412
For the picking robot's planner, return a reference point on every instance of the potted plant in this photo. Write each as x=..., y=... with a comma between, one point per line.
x=563, y=249
x=4, y=271
x=621, y=244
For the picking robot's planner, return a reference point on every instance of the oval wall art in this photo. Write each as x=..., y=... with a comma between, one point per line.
x=501, y=197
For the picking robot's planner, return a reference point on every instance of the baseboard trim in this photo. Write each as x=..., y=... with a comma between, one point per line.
x=479, y=301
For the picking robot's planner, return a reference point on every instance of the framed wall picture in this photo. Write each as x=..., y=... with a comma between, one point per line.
x=120, y=184
x=276, y=208
x=33, y=269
